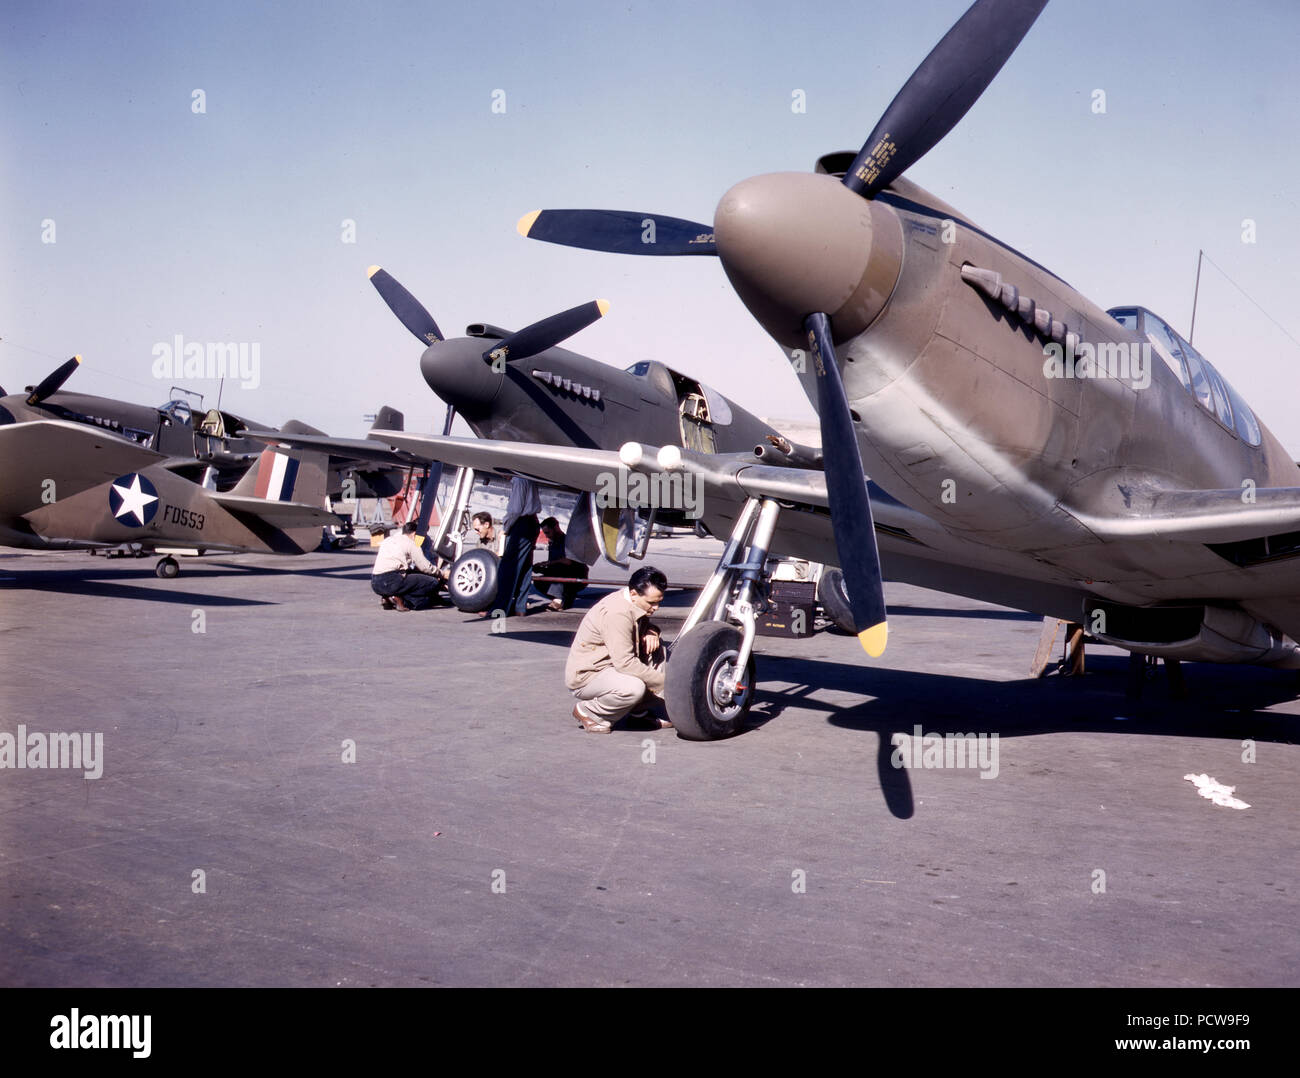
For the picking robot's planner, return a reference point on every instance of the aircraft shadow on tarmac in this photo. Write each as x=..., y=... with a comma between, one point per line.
x=1225, y=703
x=898, y=611
x=116, y=582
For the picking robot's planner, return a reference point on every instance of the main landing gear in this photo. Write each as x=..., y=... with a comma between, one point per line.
x=709, y=683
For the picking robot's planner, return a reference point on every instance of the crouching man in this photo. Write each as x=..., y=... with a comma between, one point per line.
x=391, y=580
x=616, y=662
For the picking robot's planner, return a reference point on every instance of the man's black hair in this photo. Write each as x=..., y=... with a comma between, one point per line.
x=550, y=522
x=647, y=577
x=409, y=527
x=483, y=515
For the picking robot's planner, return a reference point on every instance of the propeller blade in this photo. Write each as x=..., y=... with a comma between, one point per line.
x=619, y=232
x=54, y=380
x=410, y=312
x=855, y=532
x=941, y=91
x=429, y=492
x=548, y=332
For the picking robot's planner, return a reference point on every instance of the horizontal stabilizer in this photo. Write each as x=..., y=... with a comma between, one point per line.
x=282, y=515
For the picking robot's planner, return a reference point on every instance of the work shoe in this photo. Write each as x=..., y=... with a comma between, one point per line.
x=386, y=603
x=401, y=604
x=589, y=723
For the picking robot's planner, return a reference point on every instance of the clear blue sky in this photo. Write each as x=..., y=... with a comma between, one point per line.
x=227, y=225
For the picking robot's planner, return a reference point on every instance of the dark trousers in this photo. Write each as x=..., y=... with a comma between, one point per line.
x=561, y=567
x=516, y=578
x=415, y=589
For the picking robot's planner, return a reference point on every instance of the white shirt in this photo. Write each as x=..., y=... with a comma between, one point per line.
x=398, y=552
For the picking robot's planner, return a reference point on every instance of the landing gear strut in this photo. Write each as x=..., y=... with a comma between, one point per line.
x=709, y=684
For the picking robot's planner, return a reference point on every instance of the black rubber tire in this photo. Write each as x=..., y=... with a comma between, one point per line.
x=696, y=662
x=472, y=586
x=835, y=600
x=167, y=569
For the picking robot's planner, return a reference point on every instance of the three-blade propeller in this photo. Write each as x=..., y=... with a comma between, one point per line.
x=528, y=341
x=936, y=96
x=619, y=232
x=548, y=332
x=941, y=91
x=846, y=488
x=409, y=310
x=52, y=381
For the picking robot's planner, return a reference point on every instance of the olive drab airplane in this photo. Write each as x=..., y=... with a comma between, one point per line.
x=519, y=386
x=78, y=472
x=1031, y=449
x=560, y=397
x=211, y=441
x=64, y=486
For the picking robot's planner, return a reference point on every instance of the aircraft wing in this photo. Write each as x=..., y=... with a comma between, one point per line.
x=565, y=466
x=346, y=448
x=913, y=548
x=75, y=456
x=1204, y=516
x=723, y=481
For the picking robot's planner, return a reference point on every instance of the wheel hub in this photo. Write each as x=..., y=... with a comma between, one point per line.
x=722, y=684
x=469, y=578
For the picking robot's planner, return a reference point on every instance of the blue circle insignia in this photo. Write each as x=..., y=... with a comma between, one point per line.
x=133, y=499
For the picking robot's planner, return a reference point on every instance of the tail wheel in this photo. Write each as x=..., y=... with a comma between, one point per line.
x=167, y=569
x=705, y=699
x=472, y=585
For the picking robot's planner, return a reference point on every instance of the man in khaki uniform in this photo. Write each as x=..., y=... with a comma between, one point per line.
x=617, y=656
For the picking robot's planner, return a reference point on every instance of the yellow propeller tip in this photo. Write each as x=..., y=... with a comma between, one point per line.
x=77, y=358
x=373, y=270
x=526, y=222
x=602, y=305
x=873, y=640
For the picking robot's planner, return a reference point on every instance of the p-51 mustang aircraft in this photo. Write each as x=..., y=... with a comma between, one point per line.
x=1033, y=449
x=520, y=386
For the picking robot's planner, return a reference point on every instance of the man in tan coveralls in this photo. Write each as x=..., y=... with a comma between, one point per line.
x=617, y=656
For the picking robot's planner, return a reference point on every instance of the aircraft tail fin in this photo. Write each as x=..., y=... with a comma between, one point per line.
x=389, y=419
x=297, y=426
x=296, y=481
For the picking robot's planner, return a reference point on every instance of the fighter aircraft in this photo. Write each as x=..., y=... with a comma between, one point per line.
x=1035, y=450
x=213, y=441
x=519, y=386
x=66, y=485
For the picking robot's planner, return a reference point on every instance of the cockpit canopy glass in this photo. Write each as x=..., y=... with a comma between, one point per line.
x=1197, y=373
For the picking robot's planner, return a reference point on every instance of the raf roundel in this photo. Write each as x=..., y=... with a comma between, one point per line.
x=133, y=499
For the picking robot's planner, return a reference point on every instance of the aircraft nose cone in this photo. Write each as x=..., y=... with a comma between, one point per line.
x=457, y=372
x=793, y=243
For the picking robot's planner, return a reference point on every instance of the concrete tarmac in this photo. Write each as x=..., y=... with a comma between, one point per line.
x=299, y=788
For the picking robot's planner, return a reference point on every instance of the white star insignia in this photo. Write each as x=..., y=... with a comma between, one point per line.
x=134, y=499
